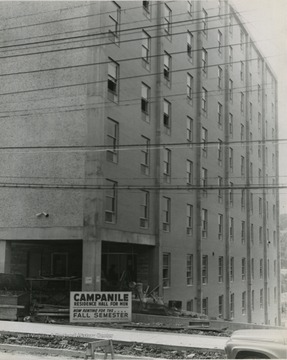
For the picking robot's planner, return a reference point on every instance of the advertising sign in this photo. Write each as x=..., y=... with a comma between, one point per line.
x=87, y=306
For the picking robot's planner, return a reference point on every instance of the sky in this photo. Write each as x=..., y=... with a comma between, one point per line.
x=267, y=24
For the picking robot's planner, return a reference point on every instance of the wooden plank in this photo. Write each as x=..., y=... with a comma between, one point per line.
x=12, y=306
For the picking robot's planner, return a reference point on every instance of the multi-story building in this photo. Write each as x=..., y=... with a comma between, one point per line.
x=141, y=136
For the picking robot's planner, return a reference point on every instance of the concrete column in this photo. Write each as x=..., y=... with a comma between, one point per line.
x=92, y=254
x=5, y=256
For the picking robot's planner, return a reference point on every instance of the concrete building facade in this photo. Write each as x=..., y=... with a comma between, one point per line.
x=141, y=136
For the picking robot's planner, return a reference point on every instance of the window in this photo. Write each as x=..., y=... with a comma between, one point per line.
x=260, y=235
x=220, y=77
x=166, y=214
x=243, y=232
x=252, y=233
x=204, y=142
x=219, y=114
x=145, y=156
x=189, y=44
x=220, y=306
x=275, y=294
x=274, y=238
x=189, y=269
x=189, y=172
x=113, y=77
x=167, y=19
x=243, y=303
x=167, y=114
x=167, y=66
x=243, y=269
x=189, y=305
x=242, y=102
x=241, y=70
x=231, y=194
x=230, y=23
x=146, y=6
x=252, y=300
x=231, y=159
x=232, y=305
x=250, y=112
x=204, y=223
x=112, y=140
x=166, y=270
x=189, y=219
x=220, y=226
x=204, y=61
x=252, y=268
x=220, y=269
x=220, y=185
x=189, y=8
x=230, y=54
x=144, y=209
x=259, y=122
x=261, y=269
x=242, y=166
x=145, y=101
x=204, y=269
x=189, y=129
x=205, y=306
x=231, y=228
x=230, y=90
x=259, y=92
x=115, y=22
x=189, y=89
x=251, y=141
x=242, y=40
x=167, y=164
x=275, y=268
x=219, y=39
x=111, y=201
x=204, y=100
x=232, y=268
x=260, y=207
x=230, y=124
x=204, y=21
x=242, y=134
x=243, y=199
x=219, y=152
x=146, y=40
x=261, y=299
x=204, y=180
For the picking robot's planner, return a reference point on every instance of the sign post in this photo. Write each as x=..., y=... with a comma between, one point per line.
x=87, y=306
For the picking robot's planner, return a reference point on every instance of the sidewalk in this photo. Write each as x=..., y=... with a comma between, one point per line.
x=171, y=340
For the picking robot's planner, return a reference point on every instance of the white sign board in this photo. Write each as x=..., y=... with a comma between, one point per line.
x=89, y=306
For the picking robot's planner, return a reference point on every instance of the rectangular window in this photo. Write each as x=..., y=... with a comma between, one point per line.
x=230, y=54
x=243, y=232
x=261, y=299
x=146, y=42
x=204, y=100
x=166, y=270
x=259, y=93
x=220, y=186
x=220, y=226
x=189, y=269
x=243, y=303
x=242, y=166
x=242, y=102
x=251, y=141
x=167, y=163
x=232, y=268
x=230, y=90
x=220, y=269
x=252, y=300
x=252, y=233
x=204, y=269
x=112, y=140
x=189, y=44
x=250, y=112
x=189, y=219
x=167, y=114
x=204, y=178
x=243, y=269
x=241, y=70
x=242, y=134
x=189, y=172
x=219, y=114
x=242, y=40
x=189, y=129
x=189, y=84
x=144, y=209
x=260, y=207
x=230, y=119
x=145, y=100
x=204, y=61
x=167, y=66
x=204, y=21
x=219, y=39
x=145, y=156
x=111, y=201
x=167, y=19
x=243, y=199
x=231, y=159
x=220, y=306
x=231, y=229
x=219, y=152
x=115, y=22
x=252, y=268
x=232, y=306
x=113, y=78
x=260, y=234
x=204, y=141
x=166, y=214
x=204, y=223
x=231, y=194
x=220, y=77
x=205, y=306
x=261, y=269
